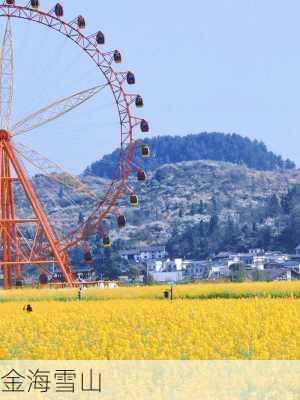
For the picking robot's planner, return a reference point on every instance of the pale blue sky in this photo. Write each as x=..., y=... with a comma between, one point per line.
x=228, y=66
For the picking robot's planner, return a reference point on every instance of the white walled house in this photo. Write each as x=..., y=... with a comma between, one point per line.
x=144, y=254
x=155, y=265
x=165, y=276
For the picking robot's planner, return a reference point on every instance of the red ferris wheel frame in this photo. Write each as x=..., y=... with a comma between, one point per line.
x=115, y=80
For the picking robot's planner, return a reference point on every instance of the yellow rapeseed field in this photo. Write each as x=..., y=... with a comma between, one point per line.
x=136, y=323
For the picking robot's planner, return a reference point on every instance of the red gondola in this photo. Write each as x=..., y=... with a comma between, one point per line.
x=141, y=176
x=88, y=257
x=130, y=78
x=117, y=57
x=121, y=220
x=43, y=279
x=145, y=150
x=81, y=22
x=58, y=9
x=144, y=126
x=100, y=39
x=106, y=243
x=134, y=201
x=35, y=4
x=139, y=101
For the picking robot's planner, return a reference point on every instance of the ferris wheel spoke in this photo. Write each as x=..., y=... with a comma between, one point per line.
x=55, y=110
x=6, y=77
x=53, y=171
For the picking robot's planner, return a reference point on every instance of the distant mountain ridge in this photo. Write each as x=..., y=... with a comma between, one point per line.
x=214, y=146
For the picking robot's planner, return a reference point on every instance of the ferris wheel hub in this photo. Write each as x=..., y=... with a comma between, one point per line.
x=4, y=135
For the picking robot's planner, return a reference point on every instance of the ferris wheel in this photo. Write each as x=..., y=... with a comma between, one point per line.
x=34, y=241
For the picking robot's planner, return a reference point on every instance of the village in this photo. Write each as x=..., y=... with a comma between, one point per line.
x=256, y=264
x=152, y=264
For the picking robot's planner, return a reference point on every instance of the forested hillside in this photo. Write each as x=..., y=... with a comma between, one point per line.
x=197, y=208
x=276, y=226
x=205, y=146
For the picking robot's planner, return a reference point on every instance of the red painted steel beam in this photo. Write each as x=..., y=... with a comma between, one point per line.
x=28, y=262
x=19, y=221
x=59, y=256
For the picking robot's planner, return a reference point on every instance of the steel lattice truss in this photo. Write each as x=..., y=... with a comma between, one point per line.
x=6, y=73
x=43, y=247
x=52, y=169
x=54, y=111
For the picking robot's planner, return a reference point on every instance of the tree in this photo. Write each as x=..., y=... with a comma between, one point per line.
x=258, y=275
x=273, y=206
x=265, y=238
x=254, y=227
x=246, y=230
x=215, y=206
x=194, y=208
x=110, y=266
x=238, y=273
x=294, y=226
x=291, y=199
x=80, y=218
x=201, y=207
x=232, y=236
x=213, y=224
x=133, y=272
x=205, y=146
x=148, y=279
x=202, y=229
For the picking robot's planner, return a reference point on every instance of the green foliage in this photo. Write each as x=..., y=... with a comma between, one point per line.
x=148, y=280
x=232, y=235
x=289, y=238
x=205, y=146
x=201, y=207
x=109, y=266
x=291, y=199
x=238, y=273
x=254, y=230
x=273, y=206
x=215, y=205
x=245, y=295
x=133, y=272
x=213, y=224
x=258, y=275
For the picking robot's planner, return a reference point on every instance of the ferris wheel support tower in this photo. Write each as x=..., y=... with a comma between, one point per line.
x=12, y=259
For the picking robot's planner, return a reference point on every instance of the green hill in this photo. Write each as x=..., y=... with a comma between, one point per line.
x=231, y=148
